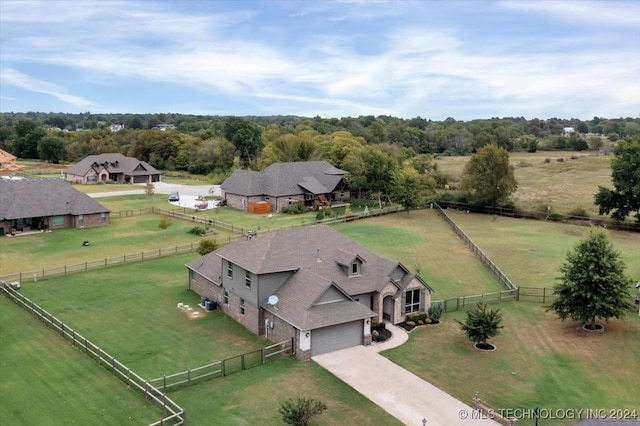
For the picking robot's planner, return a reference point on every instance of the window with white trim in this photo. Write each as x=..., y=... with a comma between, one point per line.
x=229, y=269
x=226, y=296
x=412, y=301
x=241, y=306
x=247, y=279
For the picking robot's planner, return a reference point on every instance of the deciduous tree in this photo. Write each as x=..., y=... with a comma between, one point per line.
x=299, y=412
x=482, y=323
x=592, y=282
x=625, y=173
x=488, y=178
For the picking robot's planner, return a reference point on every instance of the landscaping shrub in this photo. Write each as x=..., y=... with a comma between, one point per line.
x=378, y=326
x=415, y=317
x=547, y=160
x=420, y=322
x=410, y=323
x=198, y=230
x=578, y=212
x=560, y=160
x=435, y=311
x=320, y=215
x=298, y=412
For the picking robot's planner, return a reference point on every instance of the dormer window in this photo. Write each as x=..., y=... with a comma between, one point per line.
x=355, y=268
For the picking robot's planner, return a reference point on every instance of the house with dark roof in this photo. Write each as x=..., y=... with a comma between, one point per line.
x=315, y=183
x=112, y=167
x=310, y=284
x=46, y=204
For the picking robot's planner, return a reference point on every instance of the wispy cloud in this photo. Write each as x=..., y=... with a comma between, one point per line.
x=397, y=58
x=18, y=79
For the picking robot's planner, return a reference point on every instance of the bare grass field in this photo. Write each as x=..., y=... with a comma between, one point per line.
x=569, y=180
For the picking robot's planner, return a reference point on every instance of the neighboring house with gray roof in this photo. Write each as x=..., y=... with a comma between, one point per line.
x=315, y=183
x=327, y=287
x=112, y=167
x=46, y=204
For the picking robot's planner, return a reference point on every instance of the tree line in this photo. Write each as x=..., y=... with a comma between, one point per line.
x=387, y=157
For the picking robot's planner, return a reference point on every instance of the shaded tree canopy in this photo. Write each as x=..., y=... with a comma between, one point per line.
x=592, y=282
x=246, y=136
x=624, y=199
x=488, y=178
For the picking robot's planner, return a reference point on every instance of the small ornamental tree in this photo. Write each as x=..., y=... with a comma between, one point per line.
x=592, y=282
x=150, y=189
x=298, y=412
x=482, y=324
x=207, y=246
x=165, y=222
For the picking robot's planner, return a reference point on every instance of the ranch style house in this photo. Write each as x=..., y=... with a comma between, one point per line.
x=315, y=183
x=46, y=204
x=310, y=284
x=112, y=167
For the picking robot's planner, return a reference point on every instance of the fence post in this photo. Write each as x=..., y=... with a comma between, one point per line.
x=222, y=368
x=113, y=366
x=262, y=357
x=242, y=362
x=164, y=384
x=62, y=329
x=544, y=294
x=189, y=377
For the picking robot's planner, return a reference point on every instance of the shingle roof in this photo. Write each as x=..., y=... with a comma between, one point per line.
x=44, y=197
x=297, y=295
x=115, y=163
x=300, y=248
x=282, y=179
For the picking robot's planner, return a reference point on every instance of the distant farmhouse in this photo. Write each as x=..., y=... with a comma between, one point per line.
x=46, y=204
x=314, y=183
x=112, y=167
x=310, y=284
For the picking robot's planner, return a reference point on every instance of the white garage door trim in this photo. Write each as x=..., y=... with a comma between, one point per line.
x=335, y=337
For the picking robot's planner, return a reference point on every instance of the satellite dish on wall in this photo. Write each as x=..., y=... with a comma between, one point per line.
x=273, y=300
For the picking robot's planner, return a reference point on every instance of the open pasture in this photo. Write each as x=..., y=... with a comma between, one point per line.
x=562, y=185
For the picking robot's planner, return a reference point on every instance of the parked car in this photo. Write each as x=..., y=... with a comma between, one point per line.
x=174, y=196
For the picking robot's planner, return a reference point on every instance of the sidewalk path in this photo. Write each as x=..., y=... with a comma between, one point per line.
x=399, y=392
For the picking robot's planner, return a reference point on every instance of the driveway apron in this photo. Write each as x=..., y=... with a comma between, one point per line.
x=399, y=392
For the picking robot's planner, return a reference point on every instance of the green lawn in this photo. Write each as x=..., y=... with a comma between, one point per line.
x=46, y=381
x=131, y=311
x=253, y=397
x=530, y=251
x=122, y=236
x=425, y=244
x=540, y=362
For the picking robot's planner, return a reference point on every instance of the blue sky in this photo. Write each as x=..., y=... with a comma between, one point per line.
x=433, y=59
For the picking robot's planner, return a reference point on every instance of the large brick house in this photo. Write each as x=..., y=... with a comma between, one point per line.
x=46, y=204
x=315, y=183
x=327, y=287
x=112, y=167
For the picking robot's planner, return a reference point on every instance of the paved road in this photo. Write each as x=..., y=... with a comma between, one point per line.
x=188, y=193
x=399, y=392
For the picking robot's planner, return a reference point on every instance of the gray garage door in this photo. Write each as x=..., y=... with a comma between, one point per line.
x=139, y=179
x=336, y=337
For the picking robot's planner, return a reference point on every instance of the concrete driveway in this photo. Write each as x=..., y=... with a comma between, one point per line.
x=399, y=392
x=188, y=193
